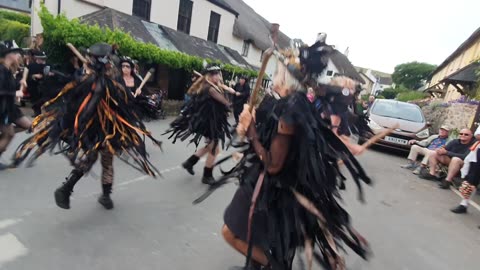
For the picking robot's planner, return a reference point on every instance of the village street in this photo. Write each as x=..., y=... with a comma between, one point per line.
x=155, y=226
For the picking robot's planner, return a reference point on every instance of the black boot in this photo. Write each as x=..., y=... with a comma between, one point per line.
x=62, y=194
x=459, y=209
x=105, y=199
x=189, y=163
x=207, y=176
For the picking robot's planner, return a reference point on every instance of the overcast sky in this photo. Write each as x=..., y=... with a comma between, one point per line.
x=379, y=33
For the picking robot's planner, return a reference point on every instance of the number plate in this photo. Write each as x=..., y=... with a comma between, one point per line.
x=396, y=140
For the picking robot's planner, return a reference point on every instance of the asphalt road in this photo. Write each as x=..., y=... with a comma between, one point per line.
x=155, y=226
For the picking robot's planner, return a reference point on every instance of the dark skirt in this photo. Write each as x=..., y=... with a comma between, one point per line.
x=236, y=217
x=9, y=111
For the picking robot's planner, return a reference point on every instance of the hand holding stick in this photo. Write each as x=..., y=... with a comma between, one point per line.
x=147, y=77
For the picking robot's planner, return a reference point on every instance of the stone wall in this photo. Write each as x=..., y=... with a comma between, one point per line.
x=454, y=115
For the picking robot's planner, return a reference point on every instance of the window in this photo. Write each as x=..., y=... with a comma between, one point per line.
x=141, y=8
x=213, y=27
x=329, y=73
x=185, y=16
x=246, y=48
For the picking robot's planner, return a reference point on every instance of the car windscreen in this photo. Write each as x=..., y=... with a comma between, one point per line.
x=398, y=110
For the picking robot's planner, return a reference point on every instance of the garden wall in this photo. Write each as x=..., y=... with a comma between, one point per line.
x=456, y=115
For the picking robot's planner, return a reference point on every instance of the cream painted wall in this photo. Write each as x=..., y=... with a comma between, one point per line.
x=73, y=9
x=201, y=20
x=254, y=53
x=124, y=6
x=165, y=12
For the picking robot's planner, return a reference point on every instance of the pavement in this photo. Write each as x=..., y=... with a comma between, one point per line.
x=155, y=226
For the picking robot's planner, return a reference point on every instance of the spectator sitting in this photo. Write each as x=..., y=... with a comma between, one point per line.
x=470, y=174
x=425, y=148
x=452, y=155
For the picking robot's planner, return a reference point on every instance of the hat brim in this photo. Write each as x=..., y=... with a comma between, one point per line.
x=9, y=51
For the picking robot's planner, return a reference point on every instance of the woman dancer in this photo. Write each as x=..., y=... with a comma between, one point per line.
x=91, y=117
x=205, y=115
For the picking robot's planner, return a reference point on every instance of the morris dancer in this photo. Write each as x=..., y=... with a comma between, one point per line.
x=91, y=117
x=205, y=115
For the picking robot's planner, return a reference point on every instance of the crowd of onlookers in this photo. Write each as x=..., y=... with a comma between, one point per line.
x=447, y=160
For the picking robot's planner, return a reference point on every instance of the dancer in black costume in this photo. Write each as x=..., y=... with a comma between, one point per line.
x=10, y=113
x=288, y=182
x=204, y=116
x=91, y=117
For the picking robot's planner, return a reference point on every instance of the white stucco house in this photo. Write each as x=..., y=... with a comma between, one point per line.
x=229, y=23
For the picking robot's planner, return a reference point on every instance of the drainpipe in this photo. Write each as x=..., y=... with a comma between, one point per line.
x=59, y=7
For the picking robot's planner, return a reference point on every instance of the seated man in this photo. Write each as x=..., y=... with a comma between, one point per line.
x=470, y=175
x=425, y=148
x=452, y=155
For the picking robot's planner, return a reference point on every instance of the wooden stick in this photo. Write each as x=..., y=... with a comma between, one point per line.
x=200, y=76
x=77, y=53
x=377, y=138
x=147, y=77
x=266, y=57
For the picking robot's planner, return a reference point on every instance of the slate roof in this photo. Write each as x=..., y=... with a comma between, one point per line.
x=114, y=19
x=465, y=75
x=18, y=5
x=249, y=25
x=164, y=37
x=385, y=80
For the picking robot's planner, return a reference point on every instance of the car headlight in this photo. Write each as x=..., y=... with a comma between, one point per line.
x=374, y=125
x=423, y=134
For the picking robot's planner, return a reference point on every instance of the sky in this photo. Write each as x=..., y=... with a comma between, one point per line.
x=380, y=34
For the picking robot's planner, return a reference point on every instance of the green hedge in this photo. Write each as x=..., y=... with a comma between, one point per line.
x=59, y=30
x=411, y=95
x=14, y=16
x=14, y=30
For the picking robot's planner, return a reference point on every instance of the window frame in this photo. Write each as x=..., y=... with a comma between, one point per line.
x=148, y=9
x=184, y=20
x=212, y=35
x=246, y=48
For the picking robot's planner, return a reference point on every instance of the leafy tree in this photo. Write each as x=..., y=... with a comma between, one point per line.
x=391, y=93
x=411, y=74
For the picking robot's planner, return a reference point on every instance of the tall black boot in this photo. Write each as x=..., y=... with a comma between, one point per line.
x=207, y=176
x=105, y=199
x=189, y=163
x=62, y=194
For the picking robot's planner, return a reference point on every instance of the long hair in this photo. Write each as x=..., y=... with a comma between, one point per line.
x=200, y=84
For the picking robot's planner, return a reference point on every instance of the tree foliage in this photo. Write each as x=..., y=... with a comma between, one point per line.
x=411, y=74
x=59, y=30
x=391, y=93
